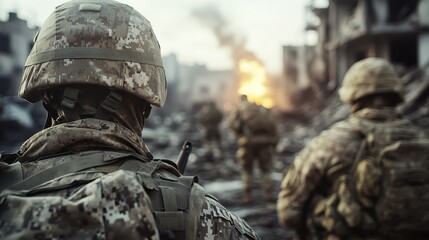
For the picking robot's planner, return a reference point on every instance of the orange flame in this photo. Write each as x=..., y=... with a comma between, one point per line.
x=253, y=82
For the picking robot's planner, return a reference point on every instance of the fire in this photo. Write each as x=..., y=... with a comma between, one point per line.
x=253, y=82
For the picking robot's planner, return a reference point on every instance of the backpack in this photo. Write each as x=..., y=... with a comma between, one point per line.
x=166, y=199
x=255, y=120
x=386, y=191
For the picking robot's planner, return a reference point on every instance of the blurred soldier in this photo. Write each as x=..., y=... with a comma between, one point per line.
x=257, y=136
x=334, y=187
x=210, y=117
x=88, y=175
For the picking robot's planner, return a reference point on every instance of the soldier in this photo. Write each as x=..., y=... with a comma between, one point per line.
x=322, y=190
x=210, y=117
x=256, y=136
x=88, y=175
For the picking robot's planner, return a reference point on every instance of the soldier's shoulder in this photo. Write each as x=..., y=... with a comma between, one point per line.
x=337, y=133
x=338, y=140
x=219, y=223
x=112, y=204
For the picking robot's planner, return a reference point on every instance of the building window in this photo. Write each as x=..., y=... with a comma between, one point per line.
x=360, y=55
x=400, y=10
x=5, y=46
x=403, y=51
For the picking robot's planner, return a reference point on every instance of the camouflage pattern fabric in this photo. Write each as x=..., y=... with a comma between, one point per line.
x=216, y=222
x=102, y=203
x=325, y=158
x=89, y=132
x=112, y=206
x=321, y=166
x=79, y=31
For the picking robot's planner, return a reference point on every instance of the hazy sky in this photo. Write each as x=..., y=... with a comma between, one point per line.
x=266, y=25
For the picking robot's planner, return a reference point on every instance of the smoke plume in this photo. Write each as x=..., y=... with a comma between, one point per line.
x=213, y=19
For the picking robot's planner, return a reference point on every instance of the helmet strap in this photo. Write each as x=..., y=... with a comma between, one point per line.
x=68, y=103
x=147, y=111
x=51, y=112
x=109, y=106
x=51, y=107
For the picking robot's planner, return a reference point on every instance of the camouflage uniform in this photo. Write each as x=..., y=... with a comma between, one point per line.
x=319, y=167
x=254, y=146
x=129, y=195
x=210, y=117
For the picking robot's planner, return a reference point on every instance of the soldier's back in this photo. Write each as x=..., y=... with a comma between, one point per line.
x=116, y=195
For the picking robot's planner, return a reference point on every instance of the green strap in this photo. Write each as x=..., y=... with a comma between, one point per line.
x=146, y=174
x=169, y=199
x=94, y=53
x=171, y=218
x=78, y=162
x=170, y=221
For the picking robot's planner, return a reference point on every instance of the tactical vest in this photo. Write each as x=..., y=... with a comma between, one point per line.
x=176, y=201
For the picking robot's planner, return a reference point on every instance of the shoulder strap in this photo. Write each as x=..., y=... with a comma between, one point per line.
x=78, y=162
x=351, y=179
x=10, y=175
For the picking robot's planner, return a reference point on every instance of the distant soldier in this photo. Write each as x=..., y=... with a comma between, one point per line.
x=257, y=136
x=366, y=176
x=210, y=117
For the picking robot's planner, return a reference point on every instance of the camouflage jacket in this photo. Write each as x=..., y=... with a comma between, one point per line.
x=318, y=167
x=253, y=125
x=109, y=201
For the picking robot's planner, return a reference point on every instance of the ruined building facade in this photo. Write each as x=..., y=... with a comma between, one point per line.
x=348, y=31
x=397, y=30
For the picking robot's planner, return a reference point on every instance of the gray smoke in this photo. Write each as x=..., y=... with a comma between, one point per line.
x=212, y=18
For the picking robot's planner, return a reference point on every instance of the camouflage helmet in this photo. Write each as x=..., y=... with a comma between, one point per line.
x=104, y=43
x=370, y=76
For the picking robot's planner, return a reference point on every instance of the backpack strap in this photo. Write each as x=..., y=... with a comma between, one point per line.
x=76, y=163
x=351, y=179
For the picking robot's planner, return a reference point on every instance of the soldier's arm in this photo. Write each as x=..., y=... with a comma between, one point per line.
x=216, y=222
x=313, y=173
x=299, y=185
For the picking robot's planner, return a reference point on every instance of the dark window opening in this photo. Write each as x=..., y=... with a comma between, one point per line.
x=360, y=55
x=5, y=46
x=404, y=51
x=400, y=10
x=351, y=6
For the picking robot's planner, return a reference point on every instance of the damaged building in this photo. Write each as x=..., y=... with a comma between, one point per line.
x=16, y=41
x=348, y=31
